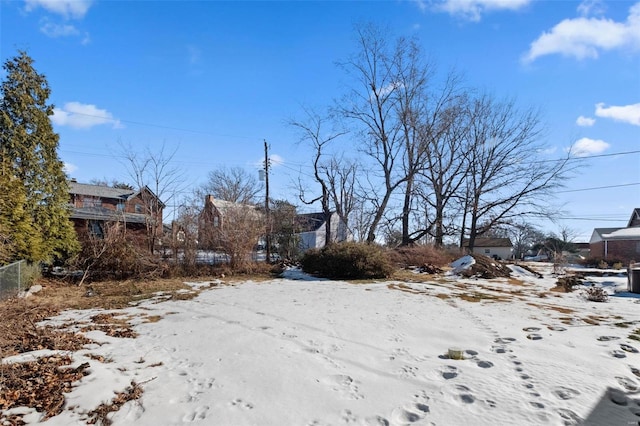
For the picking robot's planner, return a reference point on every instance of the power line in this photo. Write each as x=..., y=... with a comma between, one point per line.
x=598, y=187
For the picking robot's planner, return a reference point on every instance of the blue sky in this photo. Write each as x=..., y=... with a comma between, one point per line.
x=214, y=79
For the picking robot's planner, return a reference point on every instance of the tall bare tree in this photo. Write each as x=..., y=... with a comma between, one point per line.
x=504, y=177
x=232, y=184
x=154, y=169
x=372, y=105
x=312, y=131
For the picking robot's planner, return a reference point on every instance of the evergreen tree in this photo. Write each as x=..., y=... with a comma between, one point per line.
x=28, y=147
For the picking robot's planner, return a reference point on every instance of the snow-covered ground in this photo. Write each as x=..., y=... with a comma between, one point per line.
x=302, y=351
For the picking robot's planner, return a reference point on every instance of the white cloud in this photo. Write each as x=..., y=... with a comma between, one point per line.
x=585, y=121
x=585, y=146
x=58, y=30
x=591, y=8
x=585, y=37
x=274, y=161
x=627, y=113
x=473, y=10
x=75, y=9
x=69, y=168
x=83, y=116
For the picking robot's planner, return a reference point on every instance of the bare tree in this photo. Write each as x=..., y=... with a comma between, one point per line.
x=233, y=184
x=312, y=131
x=154, y=170
x=443, y=130
x=235, y=232
x=504, y=179
x=372, y=106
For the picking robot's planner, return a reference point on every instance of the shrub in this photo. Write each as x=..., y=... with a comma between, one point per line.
x=347, y=261
x=617, y=265
x=596, y=294
x=420, y=255
x=603, y=265
x=567, y=283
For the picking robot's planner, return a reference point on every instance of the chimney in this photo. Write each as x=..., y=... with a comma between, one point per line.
x=208, y=199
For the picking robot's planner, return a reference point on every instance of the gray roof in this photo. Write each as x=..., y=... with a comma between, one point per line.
x=309, y=222
x=100, y=191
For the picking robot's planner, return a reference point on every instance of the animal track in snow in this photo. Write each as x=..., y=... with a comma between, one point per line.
x=344, y=384
x=239, y=403
x=200, y=413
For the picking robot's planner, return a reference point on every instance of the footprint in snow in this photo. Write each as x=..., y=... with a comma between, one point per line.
x=564, y=393
x=534, y=336
x=627, y=383
x=556, y=328
x=618, y=354
x=449, y=372
x=504, y=340
x=485, y=364
x=569, y=417
x=465, y=394
x=531, y=329
x=607, y=338
x=411, y=414
x=628, y=348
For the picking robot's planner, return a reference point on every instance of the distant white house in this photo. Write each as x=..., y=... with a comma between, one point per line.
x=312, y=230
x=500, y=248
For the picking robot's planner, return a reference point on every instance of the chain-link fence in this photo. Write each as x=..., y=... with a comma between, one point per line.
x=13, y=278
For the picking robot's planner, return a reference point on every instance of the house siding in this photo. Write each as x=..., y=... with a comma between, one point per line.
x=622, y=250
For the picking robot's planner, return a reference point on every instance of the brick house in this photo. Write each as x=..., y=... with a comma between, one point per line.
x=221, y=221
x=622, y=244
x=92, y=206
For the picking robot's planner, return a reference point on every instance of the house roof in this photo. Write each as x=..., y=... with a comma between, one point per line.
x=105, y=214
x=102, y=191
x=635, y=218
x=609, y=234
x=489, y=242
x=310, y=222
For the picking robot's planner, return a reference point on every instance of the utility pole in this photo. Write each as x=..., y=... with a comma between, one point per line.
x=266, y=202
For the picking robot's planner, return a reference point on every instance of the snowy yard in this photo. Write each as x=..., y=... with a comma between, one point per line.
x=302, y=351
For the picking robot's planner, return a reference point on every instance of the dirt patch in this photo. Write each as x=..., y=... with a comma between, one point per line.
x=487, y=268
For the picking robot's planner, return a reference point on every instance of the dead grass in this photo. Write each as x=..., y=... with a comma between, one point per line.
x=100, y=414
x=38, y=384
x=41, y=384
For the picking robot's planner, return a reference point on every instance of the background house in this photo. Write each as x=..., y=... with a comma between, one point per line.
x=312, y=230
x=92, y=206
x=500, y=248
x=619, y=244
x=222, y=223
